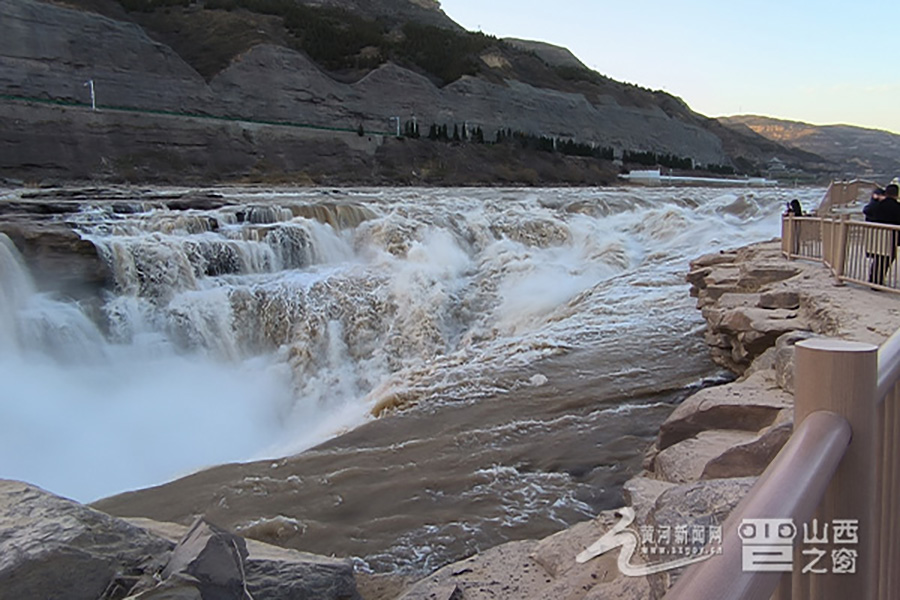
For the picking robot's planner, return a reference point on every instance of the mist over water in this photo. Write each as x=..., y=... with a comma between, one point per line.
x=281, y=319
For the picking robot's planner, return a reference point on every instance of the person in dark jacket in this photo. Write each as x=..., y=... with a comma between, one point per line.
x=794, y=208
x=882, y=245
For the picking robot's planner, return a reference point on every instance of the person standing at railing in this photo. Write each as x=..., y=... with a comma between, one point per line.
x=794, y=208
x=881, y=246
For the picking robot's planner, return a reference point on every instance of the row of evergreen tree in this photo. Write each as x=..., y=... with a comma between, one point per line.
x=569, y=147
x=719, y=169
x=662, y=159
x=442, y=133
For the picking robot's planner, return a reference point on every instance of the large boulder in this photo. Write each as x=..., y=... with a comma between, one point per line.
x=212, y=559
x=702, y=504
x=269, y=571
x=752, y=457
x=55, y=548
x=749, y=405
x=687, y=460
x=784, y=358
x=641, y=494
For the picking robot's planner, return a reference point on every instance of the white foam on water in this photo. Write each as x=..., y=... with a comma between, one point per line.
x=92, y=430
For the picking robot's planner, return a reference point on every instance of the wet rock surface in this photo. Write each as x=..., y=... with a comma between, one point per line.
x=58, y=257
x=51, y=547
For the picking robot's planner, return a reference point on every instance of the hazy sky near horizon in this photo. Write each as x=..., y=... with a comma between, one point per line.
x=823, y=62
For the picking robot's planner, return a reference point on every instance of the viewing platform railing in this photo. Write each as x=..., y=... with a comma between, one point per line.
x=846, y=195
x=855, y=251
x=841, y=466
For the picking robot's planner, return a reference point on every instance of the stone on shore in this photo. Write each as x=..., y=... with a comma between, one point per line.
x=52, y=547
x=212, y=559
x=276, y=572
x=687, y=460
x=744, y=406
x=641, y=494
x=702, y=504
x=751, y=458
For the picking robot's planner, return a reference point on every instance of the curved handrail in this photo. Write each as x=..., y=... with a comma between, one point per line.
x=791, y=487
x=888, y=365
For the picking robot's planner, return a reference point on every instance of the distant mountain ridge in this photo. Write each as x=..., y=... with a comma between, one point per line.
x=857, y=151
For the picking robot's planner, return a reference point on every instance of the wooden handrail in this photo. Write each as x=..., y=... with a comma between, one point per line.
x=791, y=488
x=888, y=366
x=845, y=245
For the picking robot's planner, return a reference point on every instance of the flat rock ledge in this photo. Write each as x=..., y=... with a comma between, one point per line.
x=712, y=448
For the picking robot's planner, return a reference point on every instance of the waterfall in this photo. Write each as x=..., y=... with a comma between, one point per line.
x=16, y=288
x=35, y=323
x=274, y=321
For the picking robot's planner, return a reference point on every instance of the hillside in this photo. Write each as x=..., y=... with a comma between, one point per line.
x=859, y=152
x=340, y=65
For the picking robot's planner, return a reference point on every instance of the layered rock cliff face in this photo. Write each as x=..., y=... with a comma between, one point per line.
x=283, y=84
x=50, y=52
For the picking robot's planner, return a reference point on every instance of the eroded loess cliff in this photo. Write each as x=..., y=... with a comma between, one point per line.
x=49, y=52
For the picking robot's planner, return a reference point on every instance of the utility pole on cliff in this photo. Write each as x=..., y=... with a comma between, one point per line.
x=90, y=83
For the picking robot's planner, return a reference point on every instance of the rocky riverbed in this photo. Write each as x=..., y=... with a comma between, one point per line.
x=706, y=456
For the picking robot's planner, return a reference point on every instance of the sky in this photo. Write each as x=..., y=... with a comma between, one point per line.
x=823, y=62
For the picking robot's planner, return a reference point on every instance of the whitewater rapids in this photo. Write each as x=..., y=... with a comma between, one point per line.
x=281, y=319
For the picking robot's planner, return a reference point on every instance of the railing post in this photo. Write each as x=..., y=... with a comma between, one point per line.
x=826, y=236
x=786, y=235
x=841, y=377
x=889, y=484
x=840, y=255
